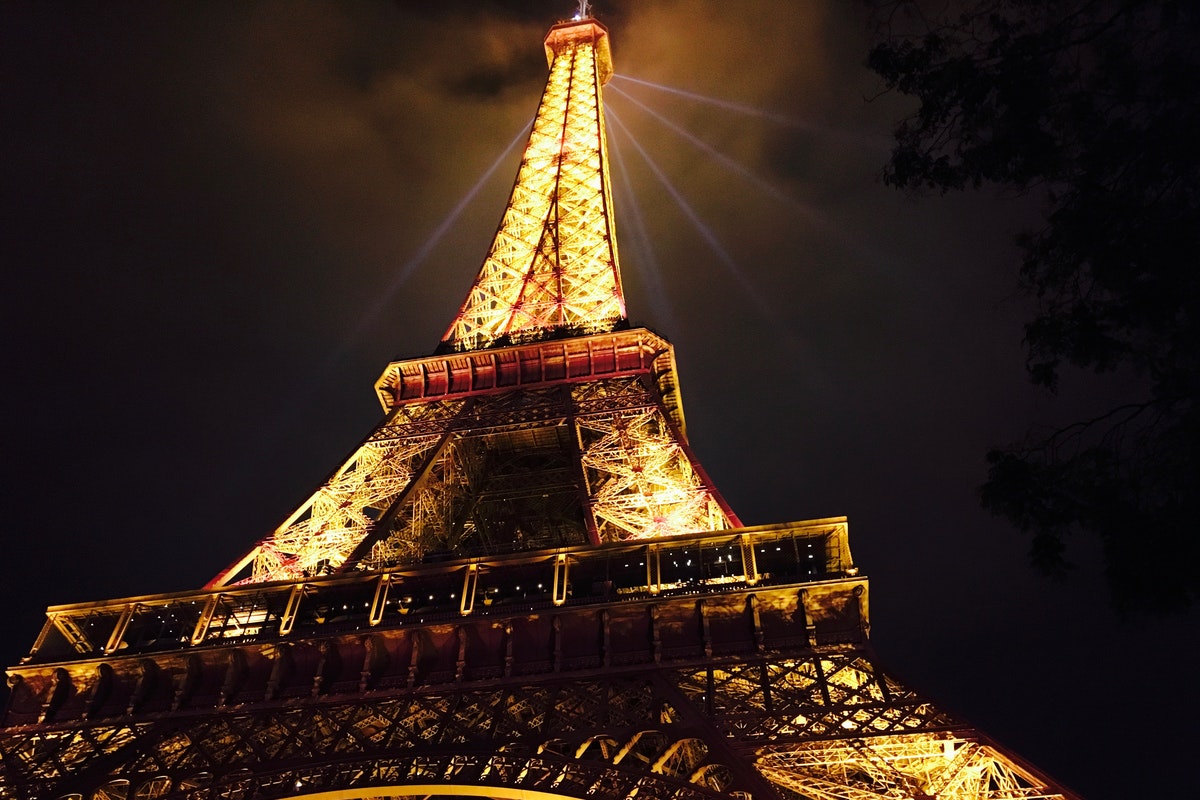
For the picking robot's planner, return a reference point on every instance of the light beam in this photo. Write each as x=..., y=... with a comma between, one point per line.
x=652, y=270
x=702, y=228
x=729, y=105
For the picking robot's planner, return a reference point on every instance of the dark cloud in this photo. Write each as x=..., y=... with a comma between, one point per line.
x=489, y=79
x=538, y=12
x=211, y=217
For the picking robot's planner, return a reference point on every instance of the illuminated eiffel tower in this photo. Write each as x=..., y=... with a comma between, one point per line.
x=522, y=584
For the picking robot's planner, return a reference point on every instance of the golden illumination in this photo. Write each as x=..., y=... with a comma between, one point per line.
x=321, y=534
x=553, y=264
x=644, y=484
x=911, y=766
x=491, y=451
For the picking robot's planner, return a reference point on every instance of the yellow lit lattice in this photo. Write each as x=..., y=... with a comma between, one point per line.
x=553, y=264
x=917, y=765
x=325, y=530
x=643, y=484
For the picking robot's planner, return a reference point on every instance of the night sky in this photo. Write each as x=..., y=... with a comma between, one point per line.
x=216, y=232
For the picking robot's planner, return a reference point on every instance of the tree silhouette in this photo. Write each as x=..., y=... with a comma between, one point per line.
x=1093, y=106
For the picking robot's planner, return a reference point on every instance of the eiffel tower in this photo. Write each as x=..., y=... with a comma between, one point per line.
x=521, y=584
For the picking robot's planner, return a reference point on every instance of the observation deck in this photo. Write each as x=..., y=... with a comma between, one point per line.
x=682, y=599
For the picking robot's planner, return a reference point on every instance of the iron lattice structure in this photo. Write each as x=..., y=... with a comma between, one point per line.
x=521, y=584
x=553, y=264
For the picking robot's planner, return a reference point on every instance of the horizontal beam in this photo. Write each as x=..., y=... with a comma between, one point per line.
x=601, y=355
x=717, y=562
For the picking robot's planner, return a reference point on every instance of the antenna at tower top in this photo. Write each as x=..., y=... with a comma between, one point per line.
x=584, y=10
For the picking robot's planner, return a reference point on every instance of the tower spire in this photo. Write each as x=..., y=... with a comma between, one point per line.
x=552, y=268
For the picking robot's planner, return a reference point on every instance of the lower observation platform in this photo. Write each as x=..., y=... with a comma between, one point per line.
x=446, y=622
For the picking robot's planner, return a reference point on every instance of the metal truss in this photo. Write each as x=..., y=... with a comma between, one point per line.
x=597, y=738
x=553, y=264
x=902, y=767
x=554, y=468
x=670, y=682
x=641, y=482
x=322, y=533
x=587, y=736
x=556, y=464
